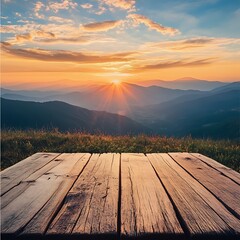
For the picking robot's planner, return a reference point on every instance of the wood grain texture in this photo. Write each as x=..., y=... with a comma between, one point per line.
x=10, y=177
x=228, y=172
x=227, y=191
x=25, y=183
x=113, y=196
x=200, y=211
x=91, y=206
x=145, y=206
x=18, y=213
x=38, y=225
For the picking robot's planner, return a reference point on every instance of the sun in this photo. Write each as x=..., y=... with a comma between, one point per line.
x=116, y=82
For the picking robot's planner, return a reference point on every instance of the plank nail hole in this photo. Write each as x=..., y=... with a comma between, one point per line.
x=187, y=158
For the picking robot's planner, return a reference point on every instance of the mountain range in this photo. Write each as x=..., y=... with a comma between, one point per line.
x=186, y=83
x=172, y=112
x=110, y=97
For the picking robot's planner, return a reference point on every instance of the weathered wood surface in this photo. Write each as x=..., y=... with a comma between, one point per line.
x=145, y=206
x=91, y=205
x=10, y=177
x=200, y=210
x=120, y=196
x=225, y=190
x=235, y=176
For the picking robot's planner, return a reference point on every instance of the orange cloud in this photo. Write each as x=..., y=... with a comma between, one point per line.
x=24, y=37
x=173, y=64
x=101, y=26
x=65, y=56
x=192, y=43
x=83, y=39
x=123, y=4
x=138, y=19
x=38, y=6
x=65, y=4
x=31, y=36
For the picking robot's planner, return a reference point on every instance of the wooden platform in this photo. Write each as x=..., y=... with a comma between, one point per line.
x=113, y=196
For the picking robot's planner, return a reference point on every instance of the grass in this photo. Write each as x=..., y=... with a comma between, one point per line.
x=17, y=145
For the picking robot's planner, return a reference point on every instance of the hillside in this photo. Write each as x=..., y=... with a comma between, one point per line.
x=65, y=117
x=216, y=116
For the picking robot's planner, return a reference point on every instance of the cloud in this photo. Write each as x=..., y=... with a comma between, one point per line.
x=65, y=56
x=192, y=43
x=31, y=36
x=86, y=5
x=174, y=64
x=38, y=6
x=24, y=37
x=101, y=26
x=138, y=19
x=53, y=33
x=60, y=20
x=83, y=39
x=44, y=34
x=18, y=14
x=122, y=4
x=63, y=5
x=29, y=27
x=100, y=11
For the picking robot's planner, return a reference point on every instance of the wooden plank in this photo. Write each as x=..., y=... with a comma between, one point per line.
x=91, y=206
x=145, y=207
x=227, y=191
x=235, y=176
x=202, y=214
x=20, y=211
x=38, y=225
x=24, y=184
x=13, y=175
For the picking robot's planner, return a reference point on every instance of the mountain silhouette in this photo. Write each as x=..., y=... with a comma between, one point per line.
x=65, y=117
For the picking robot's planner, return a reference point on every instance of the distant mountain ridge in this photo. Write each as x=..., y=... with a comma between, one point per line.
x=186, y=83
x=110, y=97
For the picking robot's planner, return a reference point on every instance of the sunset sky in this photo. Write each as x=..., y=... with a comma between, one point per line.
x=97, y=41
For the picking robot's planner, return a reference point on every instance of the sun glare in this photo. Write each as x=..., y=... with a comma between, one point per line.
x=116, y=82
